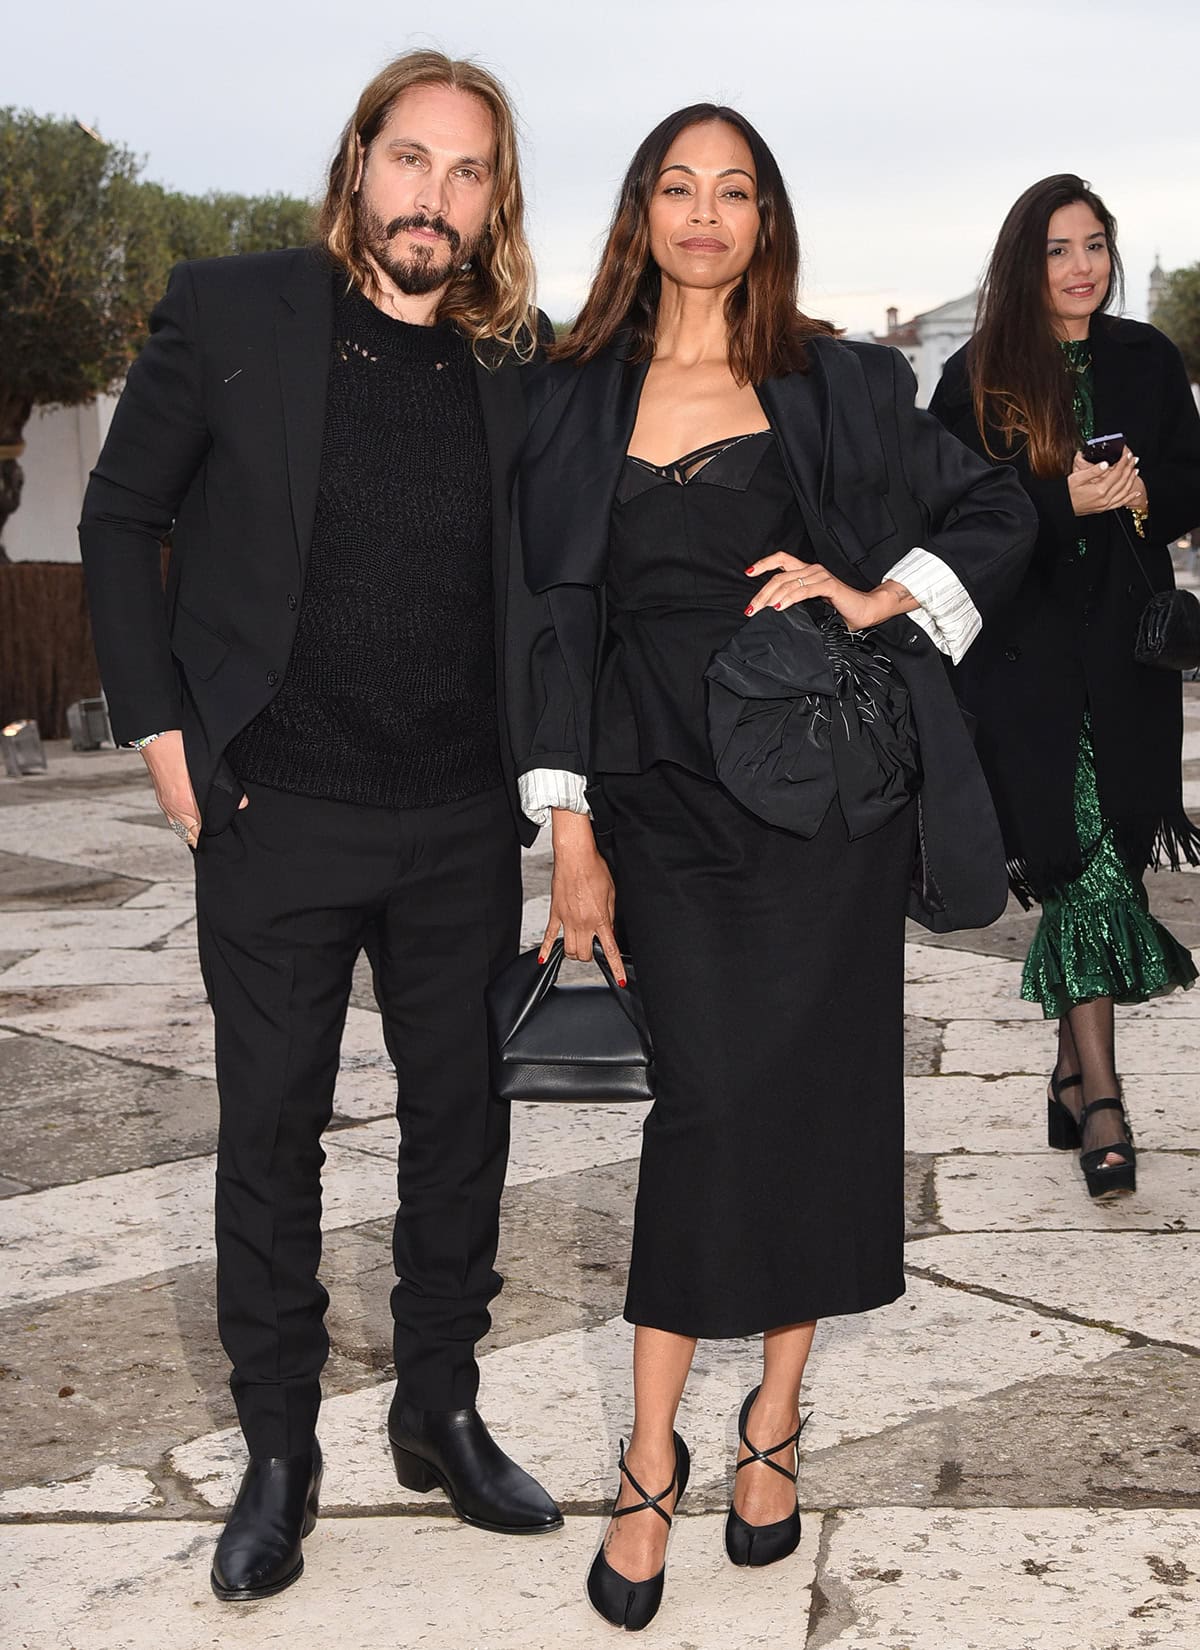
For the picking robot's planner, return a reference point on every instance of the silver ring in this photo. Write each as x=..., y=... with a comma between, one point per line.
x=180, y=829
x=801, y=580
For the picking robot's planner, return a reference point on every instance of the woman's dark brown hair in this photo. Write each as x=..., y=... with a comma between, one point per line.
x=1018, y=383
x=767, y=331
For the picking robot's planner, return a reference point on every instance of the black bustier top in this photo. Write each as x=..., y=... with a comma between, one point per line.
x=681, y=538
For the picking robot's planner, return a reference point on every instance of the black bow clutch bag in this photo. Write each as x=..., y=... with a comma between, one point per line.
x=567, y=1042
x=802, y=710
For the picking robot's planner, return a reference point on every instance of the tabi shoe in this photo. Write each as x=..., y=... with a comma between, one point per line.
x=759, y=1544
x=634, y=1604
x=260, y=1552
x=452, y=1450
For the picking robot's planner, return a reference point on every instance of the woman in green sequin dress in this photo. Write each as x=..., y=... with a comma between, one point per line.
x=1081, y=744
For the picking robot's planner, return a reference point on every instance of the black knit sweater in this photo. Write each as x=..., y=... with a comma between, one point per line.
x=389, y=698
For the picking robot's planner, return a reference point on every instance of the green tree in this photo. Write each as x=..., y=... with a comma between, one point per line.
x=81, y=260
x=1178, y=314
x=85, y=248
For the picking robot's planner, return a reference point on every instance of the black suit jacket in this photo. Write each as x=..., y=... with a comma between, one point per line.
x=874, y=476
x=217, y=440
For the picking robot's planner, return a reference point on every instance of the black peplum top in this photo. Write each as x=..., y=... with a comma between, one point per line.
x=681, y=538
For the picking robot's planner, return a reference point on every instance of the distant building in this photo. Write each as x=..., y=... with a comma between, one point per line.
x=928, y=341
x=1158, y=280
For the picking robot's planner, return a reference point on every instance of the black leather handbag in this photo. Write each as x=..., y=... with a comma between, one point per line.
x=567, y=1042
x=1168, y=633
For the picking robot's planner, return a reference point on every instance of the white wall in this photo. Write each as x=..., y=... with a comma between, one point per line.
x=61, y=446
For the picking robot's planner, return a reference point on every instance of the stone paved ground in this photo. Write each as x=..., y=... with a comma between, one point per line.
x=1007, y=1457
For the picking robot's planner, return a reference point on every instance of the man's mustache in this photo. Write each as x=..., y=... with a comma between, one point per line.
x=438, y=225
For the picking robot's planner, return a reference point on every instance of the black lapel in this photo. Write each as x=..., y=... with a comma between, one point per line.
x=571, y=466
x=797, y=408
x=303, y=339
x=1118, y=366
x=503, y=407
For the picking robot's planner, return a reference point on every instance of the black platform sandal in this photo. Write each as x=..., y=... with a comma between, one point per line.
x=1103, y=1177
x=634, y=1604
x=759, y=1544
x=1062, y=1127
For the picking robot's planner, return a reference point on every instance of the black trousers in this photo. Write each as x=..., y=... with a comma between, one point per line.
x=287, y=897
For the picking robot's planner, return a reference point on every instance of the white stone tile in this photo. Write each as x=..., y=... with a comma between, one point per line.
x=67, y=1238
x=174, y=891
x=166, y=1025
x=561, y=1403
x=1164, y=1111
x=997, y=1194
x=111, y=1490
x=980, y=993
x=80, y=967
x=1147, y=1283
x=182, y=937
x=1152, y=1043
x=1008, y=1114
x=419, y=1584
x=85, y=928
x=974, y=1114
x=535, y=914
x=1012, y=1579
x=932, y=962
x=95, y=838
x=546, y=1139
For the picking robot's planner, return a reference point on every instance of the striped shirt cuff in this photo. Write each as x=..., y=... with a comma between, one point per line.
x=947, y=614
x=544, y=788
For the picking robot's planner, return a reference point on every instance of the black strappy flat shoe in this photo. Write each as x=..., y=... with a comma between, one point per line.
x=759, y=1544
x=634, y=1604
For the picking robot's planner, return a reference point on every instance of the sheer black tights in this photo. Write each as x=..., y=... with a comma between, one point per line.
x=1087, y=1048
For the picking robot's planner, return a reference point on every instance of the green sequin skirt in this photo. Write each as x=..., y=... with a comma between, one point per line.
x=1097, y=937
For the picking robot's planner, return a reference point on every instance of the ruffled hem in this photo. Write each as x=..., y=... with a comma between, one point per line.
x=1106, y=948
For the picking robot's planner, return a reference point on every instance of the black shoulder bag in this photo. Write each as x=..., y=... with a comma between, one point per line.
x=1168, y=633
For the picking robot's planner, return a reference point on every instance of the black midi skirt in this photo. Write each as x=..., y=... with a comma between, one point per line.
x=771, y=1188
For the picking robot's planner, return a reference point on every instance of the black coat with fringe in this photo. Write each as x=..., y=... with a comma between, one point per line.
x=1064, y=643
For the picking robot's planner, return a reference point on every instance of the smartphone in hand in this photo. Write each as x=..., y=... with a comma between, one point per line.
x=1104, y=449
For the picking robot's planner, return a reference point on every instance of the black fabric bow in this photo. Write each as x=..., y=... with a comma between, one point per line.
x=800, y=711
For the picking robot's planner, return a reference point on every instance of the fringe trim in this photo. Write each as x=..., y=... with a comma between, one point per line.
x=1176, y=842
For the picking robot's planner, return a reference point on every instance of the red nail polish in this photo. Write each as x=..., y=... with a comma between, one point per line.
x=749, y=570
x=620, y=982
x=541, y=960
x=749, y=610
x=778, y=605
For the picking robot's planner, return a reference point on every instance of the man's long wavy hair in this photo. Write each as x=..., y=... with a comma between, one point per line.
x=492, y=301
x=1018, y=384
x=768, y=332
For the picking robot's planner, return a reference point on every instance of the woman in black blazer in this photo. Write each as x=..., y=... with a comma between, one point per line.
x=700, y=451
x=1080, y=743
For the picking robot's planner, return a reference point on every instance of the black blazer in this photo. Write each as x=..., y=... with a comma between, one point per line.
x=217, y=440
x=1066, y=639
x=875, y=478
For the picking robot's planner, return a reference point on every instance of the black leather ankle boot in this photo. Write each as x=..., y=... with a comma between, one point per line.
x=260, y=1550
x=451, y=1449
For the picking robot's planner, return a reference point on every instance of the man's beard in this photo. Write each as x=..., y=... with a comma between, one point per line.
x=423, y=272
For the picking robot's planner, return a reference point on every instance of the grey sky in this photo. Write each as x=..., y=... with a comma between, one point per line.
x=905, y=130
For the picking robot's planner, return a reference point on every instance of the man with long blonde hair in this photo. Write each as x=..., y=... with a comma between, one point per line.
x=328, y=434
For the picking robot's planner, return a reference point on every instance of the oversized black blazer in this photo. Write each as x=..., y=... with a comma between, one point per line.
x=875, y=478
x=217, y=440
x=1066, y=638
